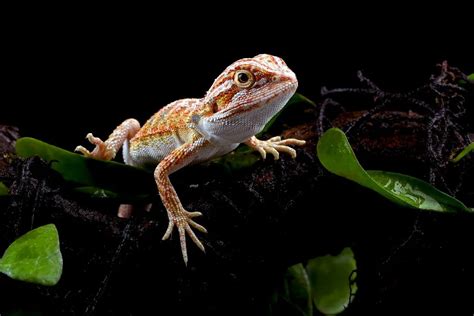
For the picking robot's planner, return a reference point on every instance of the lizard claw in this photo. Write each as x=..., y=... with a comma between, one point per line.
x=184, y=223
x=274, y=146
x=101, y=150
x=83, y=150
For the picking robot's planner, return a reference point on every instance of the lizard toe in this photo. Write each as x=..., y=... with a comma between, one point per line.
x=185, y=225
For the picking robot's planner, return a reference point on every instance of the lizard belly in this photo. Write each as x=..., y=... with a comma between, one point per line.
x=149, y=156
x=213, y=151
x=149, y=152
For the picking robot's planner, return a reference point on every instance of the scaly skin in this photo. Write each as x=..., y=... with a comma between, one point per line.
x=237, y=106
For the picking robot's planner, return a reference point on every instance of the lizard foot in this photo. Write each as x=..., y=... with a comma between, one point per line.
x=101, y=150
x=275, y=145
x=183, y=221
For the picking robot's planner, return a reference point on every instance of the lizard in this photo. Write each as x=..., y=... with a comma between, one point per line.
x=242, y=99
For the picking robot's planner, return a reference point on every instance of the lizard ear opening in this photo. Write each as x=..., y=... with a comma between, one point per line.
x=215, y=107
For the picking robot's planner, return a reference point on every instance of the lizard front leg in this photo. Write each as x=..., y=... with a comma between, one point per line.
x=108, y=149
x=274, y=145
x=177, y=215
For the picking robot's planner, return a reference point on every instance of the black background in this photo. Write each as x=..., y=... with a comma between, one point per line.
x=66, y=75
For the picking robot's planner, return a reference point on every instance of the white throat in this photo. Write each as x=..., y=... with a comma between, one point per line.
x=221, y=128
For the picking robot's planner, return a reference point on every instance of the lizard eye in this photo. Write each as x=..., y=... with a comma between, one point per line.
x=244, y=78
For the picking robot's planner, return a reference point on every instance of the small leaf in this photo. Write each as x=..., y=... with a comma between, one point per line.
x=107, y=175
x=241, y=158
x=336, y=155
x=470, y=79
x=332, y=281
x=34, y=257
x=464, y=152
x=3, y=189
x=298, y=290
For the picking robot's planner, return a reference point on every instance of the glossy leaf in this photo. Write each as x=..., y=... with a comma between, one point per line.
x=34, y=257
x=471, y=77
x=415, y=192
x=109, y=176
x=332, y=281
x=336, y=155
x=297, y=290
x=469, y=148
x=3, y=189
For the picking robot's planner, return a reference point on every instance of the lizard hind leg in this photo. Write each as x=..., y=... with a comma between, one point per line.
x=106, y=150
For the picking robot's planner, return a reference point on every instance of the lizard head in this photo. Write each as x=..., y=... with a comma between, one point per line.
x=246, y=96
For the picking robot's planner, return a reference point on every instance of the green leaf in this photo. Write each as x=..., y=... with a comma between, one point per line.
x=415, y=192
x=464, y=152
x=470, y=79
x=336, y=155
x=330, y=283
x=34, y=257
x=297, y=290
x=3, y=189
x=110, y=176
x=241, y=158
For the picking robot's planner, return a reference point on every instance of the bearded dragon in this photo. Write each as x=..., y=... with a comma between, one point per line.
x=239, y=103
